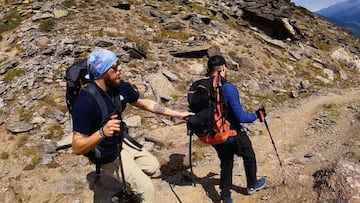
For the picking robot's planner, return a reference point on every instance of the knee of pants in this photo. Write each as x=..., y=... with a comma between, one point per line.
x=248, y=154
x=154, y=168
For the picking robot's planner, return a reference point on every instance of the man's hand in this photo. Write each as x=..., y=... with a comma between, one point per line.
x=261, y=114
x=112, y=126
x=184, y=115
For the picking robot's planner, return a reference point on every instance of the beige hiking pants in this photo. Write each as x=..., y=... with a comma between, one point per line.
x=138, y=166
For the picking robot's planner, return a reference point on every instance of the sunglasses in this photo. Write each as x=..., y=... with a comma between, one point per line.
x=115, y=66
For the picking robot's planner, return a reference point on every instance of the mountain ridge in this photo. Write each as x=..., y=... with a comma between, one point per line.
x=345, y=14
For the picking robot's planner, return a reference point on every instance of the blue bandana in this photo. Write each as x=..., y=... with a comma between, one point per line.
x=99, y=62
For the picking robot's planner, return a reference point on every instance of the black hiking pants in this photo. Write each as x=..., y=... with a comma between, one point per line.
x=241, y=146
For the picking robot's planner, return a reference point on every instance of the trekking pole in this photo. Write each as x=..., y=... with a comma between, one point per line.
x=273, y=143
x=190, y=133
x=124, y=194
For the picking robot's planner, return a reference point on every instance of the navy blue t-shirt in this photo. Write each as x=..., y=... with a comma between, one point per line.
x=87, y=115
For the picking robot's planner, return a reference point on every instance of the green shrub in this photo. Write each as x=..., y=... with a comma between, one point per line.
x=12, y=73
x=142, y=47
x=55, y=132
x=4, y=155
x=47, y=25
x=25, y=114
x=10, y=21
x=68, y=3
x=35, y=155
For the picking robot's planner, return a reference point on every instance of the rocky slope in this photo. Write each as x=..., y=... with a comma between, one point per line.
x=302, y=68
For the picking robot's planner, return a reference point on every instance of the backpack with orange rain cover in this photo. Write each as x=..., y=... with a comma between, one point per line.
x=210, y=122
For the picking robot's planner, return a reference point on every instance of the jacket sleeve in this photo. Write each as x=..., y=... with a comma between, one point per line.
x=232, y=98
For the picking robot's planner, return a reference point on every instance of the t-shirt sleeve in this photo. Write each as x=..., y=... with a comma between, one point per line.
x=129, y=92
x=85, y=114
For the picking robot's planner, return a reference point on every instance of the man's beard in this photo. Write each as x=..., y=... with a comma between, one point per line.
x=112, y=83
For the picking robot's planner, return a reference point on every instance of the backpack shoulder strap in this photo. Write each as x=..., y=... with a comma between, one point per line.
x=104, y=116
x=99, y=100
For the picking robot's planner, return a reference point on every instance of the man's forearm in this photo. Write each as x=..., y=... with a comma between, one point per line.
x=154, y=107
x=82, y=144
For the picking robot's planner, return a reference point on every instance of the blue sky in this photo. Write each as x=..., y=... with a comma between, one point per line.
x=315, y=5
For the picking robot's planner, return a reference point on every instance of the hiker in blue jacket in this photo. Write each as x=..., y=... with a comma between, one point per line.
x=235, y=145
x=89, y=131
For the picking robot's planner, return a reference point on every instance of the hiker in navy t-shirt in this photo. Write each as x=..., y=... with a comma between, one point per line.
x=240, y=144
x=90, y=132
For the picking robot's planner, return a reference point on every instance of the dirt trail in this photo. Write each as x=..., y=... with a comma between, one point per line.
x=287, y=126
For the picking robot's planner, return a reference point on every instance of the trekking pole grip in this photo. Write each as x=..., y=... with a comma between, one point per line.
x=262, y=117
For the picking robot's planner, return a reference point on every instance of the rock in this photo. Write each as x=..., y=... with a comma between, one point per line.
x=305, y=84
x=20, y=127
x=162, y=87
x=340, y=182
x=38, y=120
x=170, y=76
x=197, y=69
x=329, y=73
x=193, y=52
x=324, y=80
x=133, y=121
x=59, y=13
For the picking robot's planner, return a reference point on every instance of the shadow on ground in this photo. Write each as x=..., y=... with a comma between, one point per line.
x=176, y=173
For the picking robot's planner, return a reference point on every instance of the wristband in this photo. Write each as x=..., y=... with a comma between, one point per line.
x=102, y=134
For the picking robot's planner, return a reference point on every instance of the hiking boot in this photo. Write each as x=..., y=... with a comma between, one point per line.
x=260, y=184
x=227, y=200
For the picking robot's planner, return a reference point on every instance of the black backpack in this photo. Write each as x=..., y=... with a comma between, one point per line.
x=76, y=77
x=210, y=122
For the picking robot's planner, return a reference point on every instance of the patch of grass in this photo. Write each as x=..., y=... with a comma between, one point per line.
x=53, y=165
x=331, y=108
x=54, y=132
x=142, y=47
x=352, y=155
x=273, y=98
x=25, y=114
x=325, y=46
x=132, y=65
x=198, y=8
x=83, y=5
x=12, y=73
x=4, y=155
x=267, y=64
x=98, y=33
x=172, y=34
x=69, y=3
x=34, y=153
x=47, y=25
x=49, y=101
x=21, y=140
x=63, y=108
x=10, y=21
x=148, y=21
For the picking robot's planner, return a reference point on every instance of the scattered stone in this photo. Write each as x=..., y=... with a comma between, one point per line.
x=338, y=182
x=20, y=127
